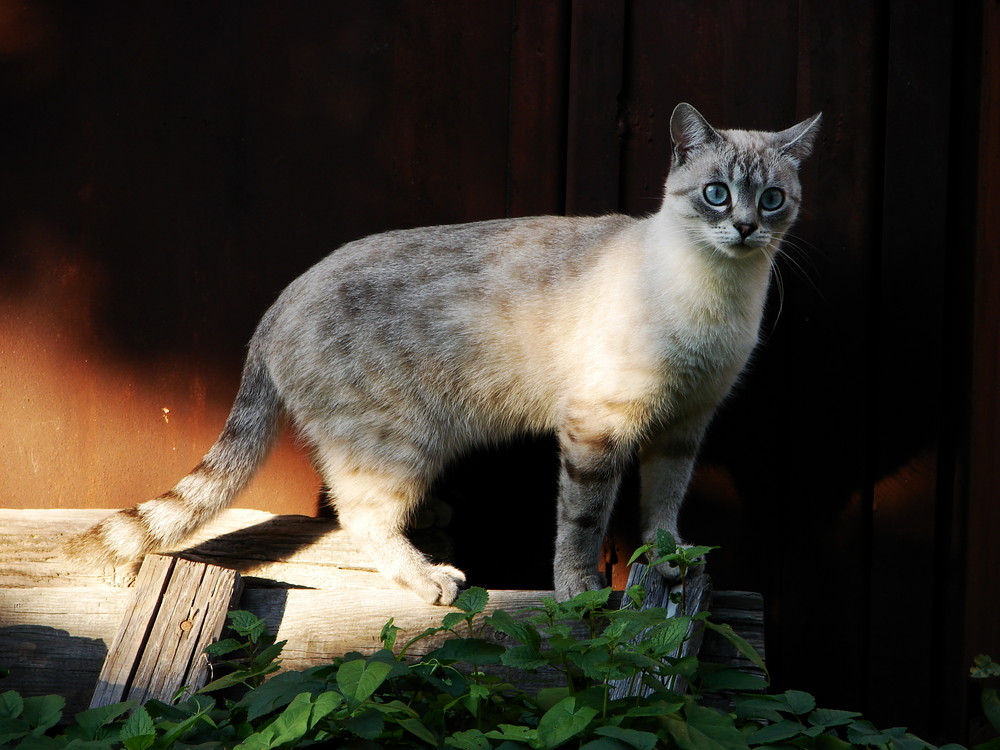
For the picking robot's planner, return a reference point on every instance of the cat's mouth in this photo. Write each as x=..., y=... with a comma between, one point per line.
x=744, y=247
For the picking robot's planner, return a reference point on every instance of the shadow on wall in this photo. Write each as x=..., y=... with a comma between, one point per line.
x=82, y=427
x=40, y=658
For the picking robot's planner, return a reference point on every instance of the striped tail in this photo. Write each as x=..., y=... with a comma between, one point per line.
x=211, y=486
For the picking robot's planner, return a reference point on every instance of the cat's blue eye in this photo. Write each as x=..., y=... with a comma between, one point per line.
x=716, y=194
x=772, y=199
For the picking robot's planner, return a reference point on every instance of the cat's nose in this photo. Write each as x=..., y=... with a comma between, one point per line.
x=745, y=230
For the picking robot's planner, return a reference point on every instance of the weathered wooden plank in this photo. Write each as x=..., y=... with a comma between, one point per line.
x=56, y=630
x=289, y=550
x=178, y=607
x=55, y=639
x=744, y=611
x=137, y=621
x=694, y=599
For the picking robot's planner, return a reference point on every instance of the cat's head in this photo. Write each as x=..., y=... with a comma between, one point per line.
x=736, y=191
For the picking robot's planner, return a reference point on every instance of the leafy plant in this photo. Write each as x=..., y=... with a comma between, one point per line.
x=987, y=670
x=459, y=695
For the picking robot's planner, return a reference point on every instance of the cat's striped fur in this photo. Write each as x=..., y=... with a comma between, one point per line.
x=399, y=351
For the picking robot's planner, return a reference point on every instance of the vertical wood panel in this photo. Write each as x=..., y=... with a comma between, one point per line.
x=597, y=29
x=982, y=608
x=823, y=399
x=538, y=106
x=917, y=247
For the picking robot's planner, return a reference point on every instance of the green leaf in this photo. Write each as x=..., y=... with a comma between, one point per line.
x=759, y=707
x=44, y=711
x=800, y=703
x=771, y=733
x=267, y=656
x=470, y=739
x=909, y=742
x=523, y=657
x=691, y=554
x=359, y=678
x=368, y=724
x=665, y=543
x=139, y=732
x=732, y=679
x=223, y=647
x=42, y=742
x=247, y=624
x=11, y=704
x=830, y=717
x=474, y=651
x=93, y=719
x=832, y=742
x=453, y=619
x=605, y=743
x=513, y=732
x=473, y=600
x=631, y=737
x=587, y=601
x=279, y=691
x=658, y=708
x=864, y=733
x=670, y=634
x=389, y=634
x=417, y=728
x=741, y=644
x=12, y=729
x=295, y=723
x=522, y=632
x=991, y=707
x=639, y=553
x=984, y=667
x=636, y=594
x=562, y=722
x=705, y=729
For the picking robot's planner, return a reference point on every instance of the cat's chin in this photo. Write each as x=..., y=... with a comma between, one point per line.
x=739, y=251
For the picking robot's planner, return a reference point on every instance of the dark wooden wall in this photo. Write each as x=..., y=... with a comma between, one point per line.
x=167, y=168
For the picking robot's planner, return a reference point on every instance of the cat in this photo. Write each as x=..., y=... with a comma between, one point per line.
x=400, y=351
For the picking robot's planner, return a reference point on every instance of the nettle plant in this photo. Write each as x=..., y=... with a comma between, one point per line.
x=463, y=694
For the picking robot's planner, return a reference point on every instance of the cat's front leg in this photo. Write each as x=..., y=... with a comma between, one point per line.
x=666, y=463
x=589, y=476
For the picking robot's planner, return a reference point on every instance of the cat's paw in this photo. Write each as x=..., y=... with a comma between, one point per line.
x=569, y=586
x=435, y=584
x=672, y=573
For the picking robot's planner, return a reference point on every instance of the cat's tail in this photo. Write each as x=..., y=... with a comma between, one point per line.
x=226, y=469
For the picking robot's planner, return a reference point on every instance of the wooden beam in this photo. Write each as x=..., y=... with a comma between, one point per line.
x=177, y=608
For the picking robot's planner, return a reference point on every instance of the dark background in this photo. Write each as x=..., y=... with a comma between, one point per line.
x=167, y=168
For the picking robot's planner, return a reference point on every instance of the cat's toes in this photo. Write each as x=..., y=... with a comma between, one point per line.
x=437, y=584
x=672, y=574
x=569, y=586
x=669, y=573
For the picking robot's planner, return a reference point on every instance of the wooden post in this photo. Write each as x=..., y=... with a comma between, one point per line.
x=178, y=607
x=659, y=594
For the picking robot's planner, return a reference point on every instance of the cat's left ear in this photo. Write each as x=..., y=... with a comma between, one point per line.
x=690, y=132
x=797, y=141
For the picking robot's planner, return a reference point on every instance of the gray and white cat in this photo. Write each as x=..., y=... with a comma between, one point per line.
x=398, y=352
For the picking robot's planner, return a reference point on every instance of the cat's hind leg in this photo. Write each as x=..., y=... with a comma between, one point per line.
x=374, y=504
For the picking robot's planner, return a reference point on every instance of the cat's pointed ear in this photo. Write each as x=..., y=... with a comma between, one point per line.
x=690, y=132
x=797, y=141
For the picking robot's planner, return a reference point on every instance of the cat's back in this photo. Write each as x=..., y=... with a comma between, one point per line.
x=399, y=272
